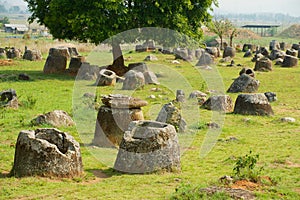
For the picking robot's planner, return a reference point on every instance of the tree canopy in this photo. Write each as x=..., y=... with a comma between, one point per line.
x=97, y=20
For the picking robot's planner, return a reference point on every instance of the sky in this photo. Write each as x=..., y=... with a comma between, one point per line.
x=291, y=7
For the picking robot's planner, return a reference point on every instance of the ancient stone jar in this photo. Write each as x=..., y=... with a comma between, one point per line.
x=292, y=52
x=247, y=47
x=57, y=60
x=73, y=51
x=75, y=64
x=221, y=103
x=264, y=65
x=114, y=117
x=32, y=55
x=148, y=146
x=276, y=54
x=55, y=118
x=296, y=46
x=247, y=54
x=253, y=104
x=47, y=152
x=139, y=67
x=88, y=72
x=149, y=76
x=180, y=96
x=171, y=114
x=106, y=78
x=8, y=98
x=181, y=53
x=290, y=61
x=247, y=71
x=13, y=53
x=205, y=59
x=133, y=80
x=214, y=51
x=244, y=83
x=229, y=51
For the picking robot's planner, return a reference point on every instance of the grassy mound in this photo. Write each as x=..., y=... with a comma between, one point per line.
x=291, y=32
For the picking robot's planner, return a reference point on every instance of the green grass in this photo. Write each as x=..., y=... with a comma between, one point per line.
x=277, y=143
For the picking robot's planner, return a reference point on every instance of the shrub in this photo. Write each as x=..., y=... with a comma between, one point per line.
x=245, y=167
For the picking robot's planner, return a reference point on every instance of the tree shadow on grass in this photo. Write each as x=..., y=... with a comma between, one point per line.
x=103, y=174
x=35, y=75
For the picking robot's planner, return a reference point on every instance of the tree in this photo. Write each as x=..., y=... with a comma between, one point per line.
x=4, y=20
x=233, y=32
x=221, y=27
x=97, y=20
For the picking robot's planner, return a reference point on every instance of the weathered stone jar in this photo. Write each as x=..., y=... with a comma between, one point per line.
x=253, y=104
x=47, y=152
x=114, y=117
x=148, y=146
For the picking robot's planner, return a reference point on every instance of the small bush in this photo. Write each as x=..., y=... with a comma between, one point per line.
x=245, y=167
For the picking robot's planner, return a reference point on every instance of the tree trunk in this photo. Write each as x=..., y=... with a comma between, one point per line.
x=221, y=40
x=118, y=65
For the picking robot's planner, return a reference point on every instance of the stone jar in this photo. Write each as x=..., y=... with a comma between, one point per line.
x=47, y=152
x=148, y=146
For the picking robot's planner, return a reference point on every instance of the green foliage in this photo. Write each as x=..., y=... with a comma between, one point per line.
x=103, y=19
x=4, y=20
x=245, y=167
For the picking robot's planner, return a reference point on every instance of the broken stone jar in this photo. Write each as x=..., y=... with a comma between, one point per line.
x=47, y=152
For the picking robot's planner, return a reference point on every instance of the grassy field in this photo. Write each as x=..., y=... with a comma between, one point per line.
x=277, y=143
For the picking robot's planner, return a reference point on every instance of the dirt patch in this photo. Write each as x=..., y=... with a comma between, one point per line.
x=292, y=165
x=245, y=185
x=6, y=62
x=232, y=192
x=286, y=163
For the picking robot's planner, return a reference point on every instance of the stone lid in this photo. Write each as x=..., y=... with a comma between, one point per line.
x=122, y=101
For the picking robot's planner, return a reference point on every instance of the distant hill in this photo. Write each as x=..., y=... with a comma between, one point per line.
x=9, y=3
x=259, y=18
x=291, y=32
